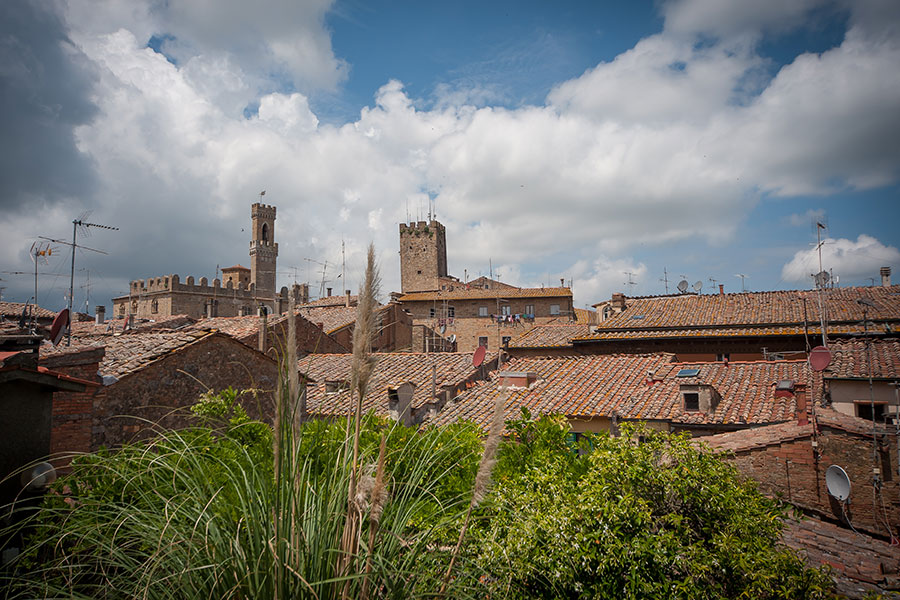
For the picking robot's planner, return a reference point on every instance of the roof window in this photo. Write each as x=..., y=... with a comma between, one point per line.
x=637, y=317
x=785, y=385
x=688, y=373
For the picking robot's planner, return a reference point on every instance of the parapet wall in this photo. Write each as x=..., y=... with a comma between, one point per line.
x=173, y=283
x=422, y=227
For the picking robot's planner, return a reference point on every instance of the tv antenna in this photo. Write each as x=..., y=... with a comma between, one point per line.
x=39, y=253
x=631, y=280
x=665, y=280
x=84, y=226
x=683, y=286
x=742, y=276
x=713, y=281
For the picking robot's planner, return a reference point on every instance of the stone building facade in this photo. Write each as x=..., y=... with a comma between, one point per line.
x=241, y=291
x=423, y=256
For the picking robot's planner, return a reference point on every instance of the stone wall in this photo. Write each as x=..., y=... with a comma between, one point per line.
x=423, y=256
x=160, y=395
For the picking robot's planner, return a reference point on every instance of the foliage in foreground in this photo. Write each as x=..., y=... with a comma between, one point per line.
x=192, y=514
x=645, y=515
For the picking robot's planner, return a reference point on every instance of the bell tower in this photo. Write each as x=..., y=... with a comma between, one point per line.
x=263, y=249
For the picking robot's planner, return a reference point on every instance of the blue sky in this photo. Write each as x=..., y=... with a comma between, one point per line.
x=576, y=140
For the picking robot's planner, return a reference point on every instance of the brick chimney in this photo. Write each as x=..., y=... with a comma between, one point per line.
x=618, y=301
x=517, y=379
x=100, y=312
x=800, y=395
x=347, y=298
x=721, y=289
x=886, y=276
x=329, y=292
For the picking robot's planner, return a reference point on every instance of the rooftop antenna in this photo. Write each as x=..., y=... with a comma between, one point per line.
x=84, y=226
x=665, y=280
x=714, y=281
x=631, y=280
x=821, y=279
x=407, y=210
x=683, y=286
x=39, y=253
x=86, y=286
x=742, y=276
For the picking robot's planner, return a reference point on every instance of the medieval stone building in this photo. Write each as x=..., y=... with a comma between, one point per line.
x=241, y=291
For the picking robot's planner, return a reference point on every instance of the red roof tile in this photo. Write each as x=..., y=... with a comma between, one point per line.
x=13, y=310
x=391, y=369
x=557, y=335
x=850, y=360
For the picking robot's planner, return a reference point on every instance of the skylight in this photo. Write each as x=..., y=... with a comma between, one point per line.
x=688, y=373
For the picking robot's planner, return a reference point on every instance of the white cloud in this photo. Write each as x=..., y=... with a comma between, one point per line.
x=810, y=217
x=596, y=280
x=845, y=258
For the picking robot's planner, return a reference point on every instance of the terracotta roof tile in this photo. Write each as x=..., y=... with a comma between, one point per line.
x=778, y=308
x=706, y=331
x=557, y=335
x=331, y=317
x=13, y=310
x=850, y=360
x=110, y=326
x=600, y=386
x=460, y=293
x=330, y=301
x=391, y=369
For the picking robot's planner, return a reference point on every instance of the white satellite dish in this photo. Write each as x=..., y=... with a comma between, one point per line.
x=452, y=338
x=683, y=286
x=698, y=285
x=38, y=477
x=838, y=483
x=443, y=329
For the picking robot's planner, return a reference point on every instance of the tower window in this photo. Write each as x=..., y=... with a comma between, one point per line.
x=265, y=233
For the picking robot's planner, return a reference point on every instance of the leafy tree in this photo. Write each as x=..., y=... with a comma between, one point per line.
x=645, y=515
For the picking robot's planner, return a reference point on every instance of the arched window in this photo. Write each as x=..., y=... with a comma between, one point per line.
x=265, y=233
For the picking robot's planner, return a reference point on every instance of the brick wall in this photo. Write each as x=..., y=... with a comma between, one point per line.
x=793, y=471
x=161, y=393
x=71, y=414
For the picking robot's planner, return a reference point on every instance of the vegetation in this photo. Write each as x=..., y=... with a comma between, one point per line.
x=363, y=508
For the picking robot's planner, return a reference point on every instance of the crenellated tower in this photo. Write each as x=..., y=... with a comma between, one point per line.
x=263, y=249
x=423, y=256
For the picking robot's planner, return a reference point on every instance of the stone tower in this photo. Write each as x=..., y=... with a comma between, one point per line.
x=423, y=256
x=263, y=249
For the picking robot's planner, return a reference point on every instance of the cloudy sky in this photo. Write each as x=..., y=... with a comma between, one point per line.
x=594, y=141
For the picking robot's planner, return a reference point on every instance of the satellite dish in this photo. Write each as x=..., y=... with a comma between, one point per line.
x=683, y=286
x=478, y=357
x=452, y=338
x=38, y=477
x=819, y=358
x=698, y=285
x=59, y=326
x=838, y=483
x=443, y=329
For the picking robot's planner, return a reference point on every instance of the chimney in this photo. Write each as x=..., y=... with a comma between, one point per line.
x=562, y=282
x=517, y=379
x=263, y=328
x=131, y=321
x=800, y=395
x=618, y=301
x=100, y=315
x=329, y=292
x=886, y=276
x=347, y=298
x=721, y=289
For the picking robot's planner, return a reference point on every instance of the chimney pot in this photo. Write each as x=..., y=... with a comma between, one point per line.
x=886, y=276
x=347, y=298
x=562, y=282
x=131, y=321
x=618, y=301
x=100, y=315
x=329, y=292
x=721, y=289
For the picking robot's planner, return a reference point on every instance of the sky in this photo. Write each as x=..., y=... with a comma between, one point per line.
x=613, y=145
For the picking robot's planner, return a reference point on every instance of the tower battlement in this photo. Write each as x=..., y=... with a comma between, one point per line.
x=423, y=255
x=262, y=211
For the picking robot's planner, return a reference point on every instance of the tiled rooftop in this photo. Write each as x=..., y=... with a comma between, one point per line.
x=584, y=386
x=330, y=301
x=557, y=335
x=460, y=293
x=111, y=326
x=331, y=317
x=600, y=386
x=755, y=308
x=391, y=369
x=585, y=315
x=132, y=350
x=769, y=435
x=850, y=360
x=244, y=329
x=13, y=310
x=705, y=332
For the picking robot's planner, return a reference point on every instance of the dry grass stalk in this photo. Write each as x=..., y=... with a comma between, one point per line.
x=482, y=478
x=377, y=499
x=363, y=366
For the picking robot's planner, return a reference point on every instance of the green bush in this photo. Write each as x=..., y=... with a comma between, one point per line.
x=644, y=515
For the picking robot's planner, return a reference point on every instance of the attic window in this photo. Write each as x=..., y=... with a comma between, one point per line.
x=688, y=373
x=637, y=317
x=691, y=401
x=336, y=386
